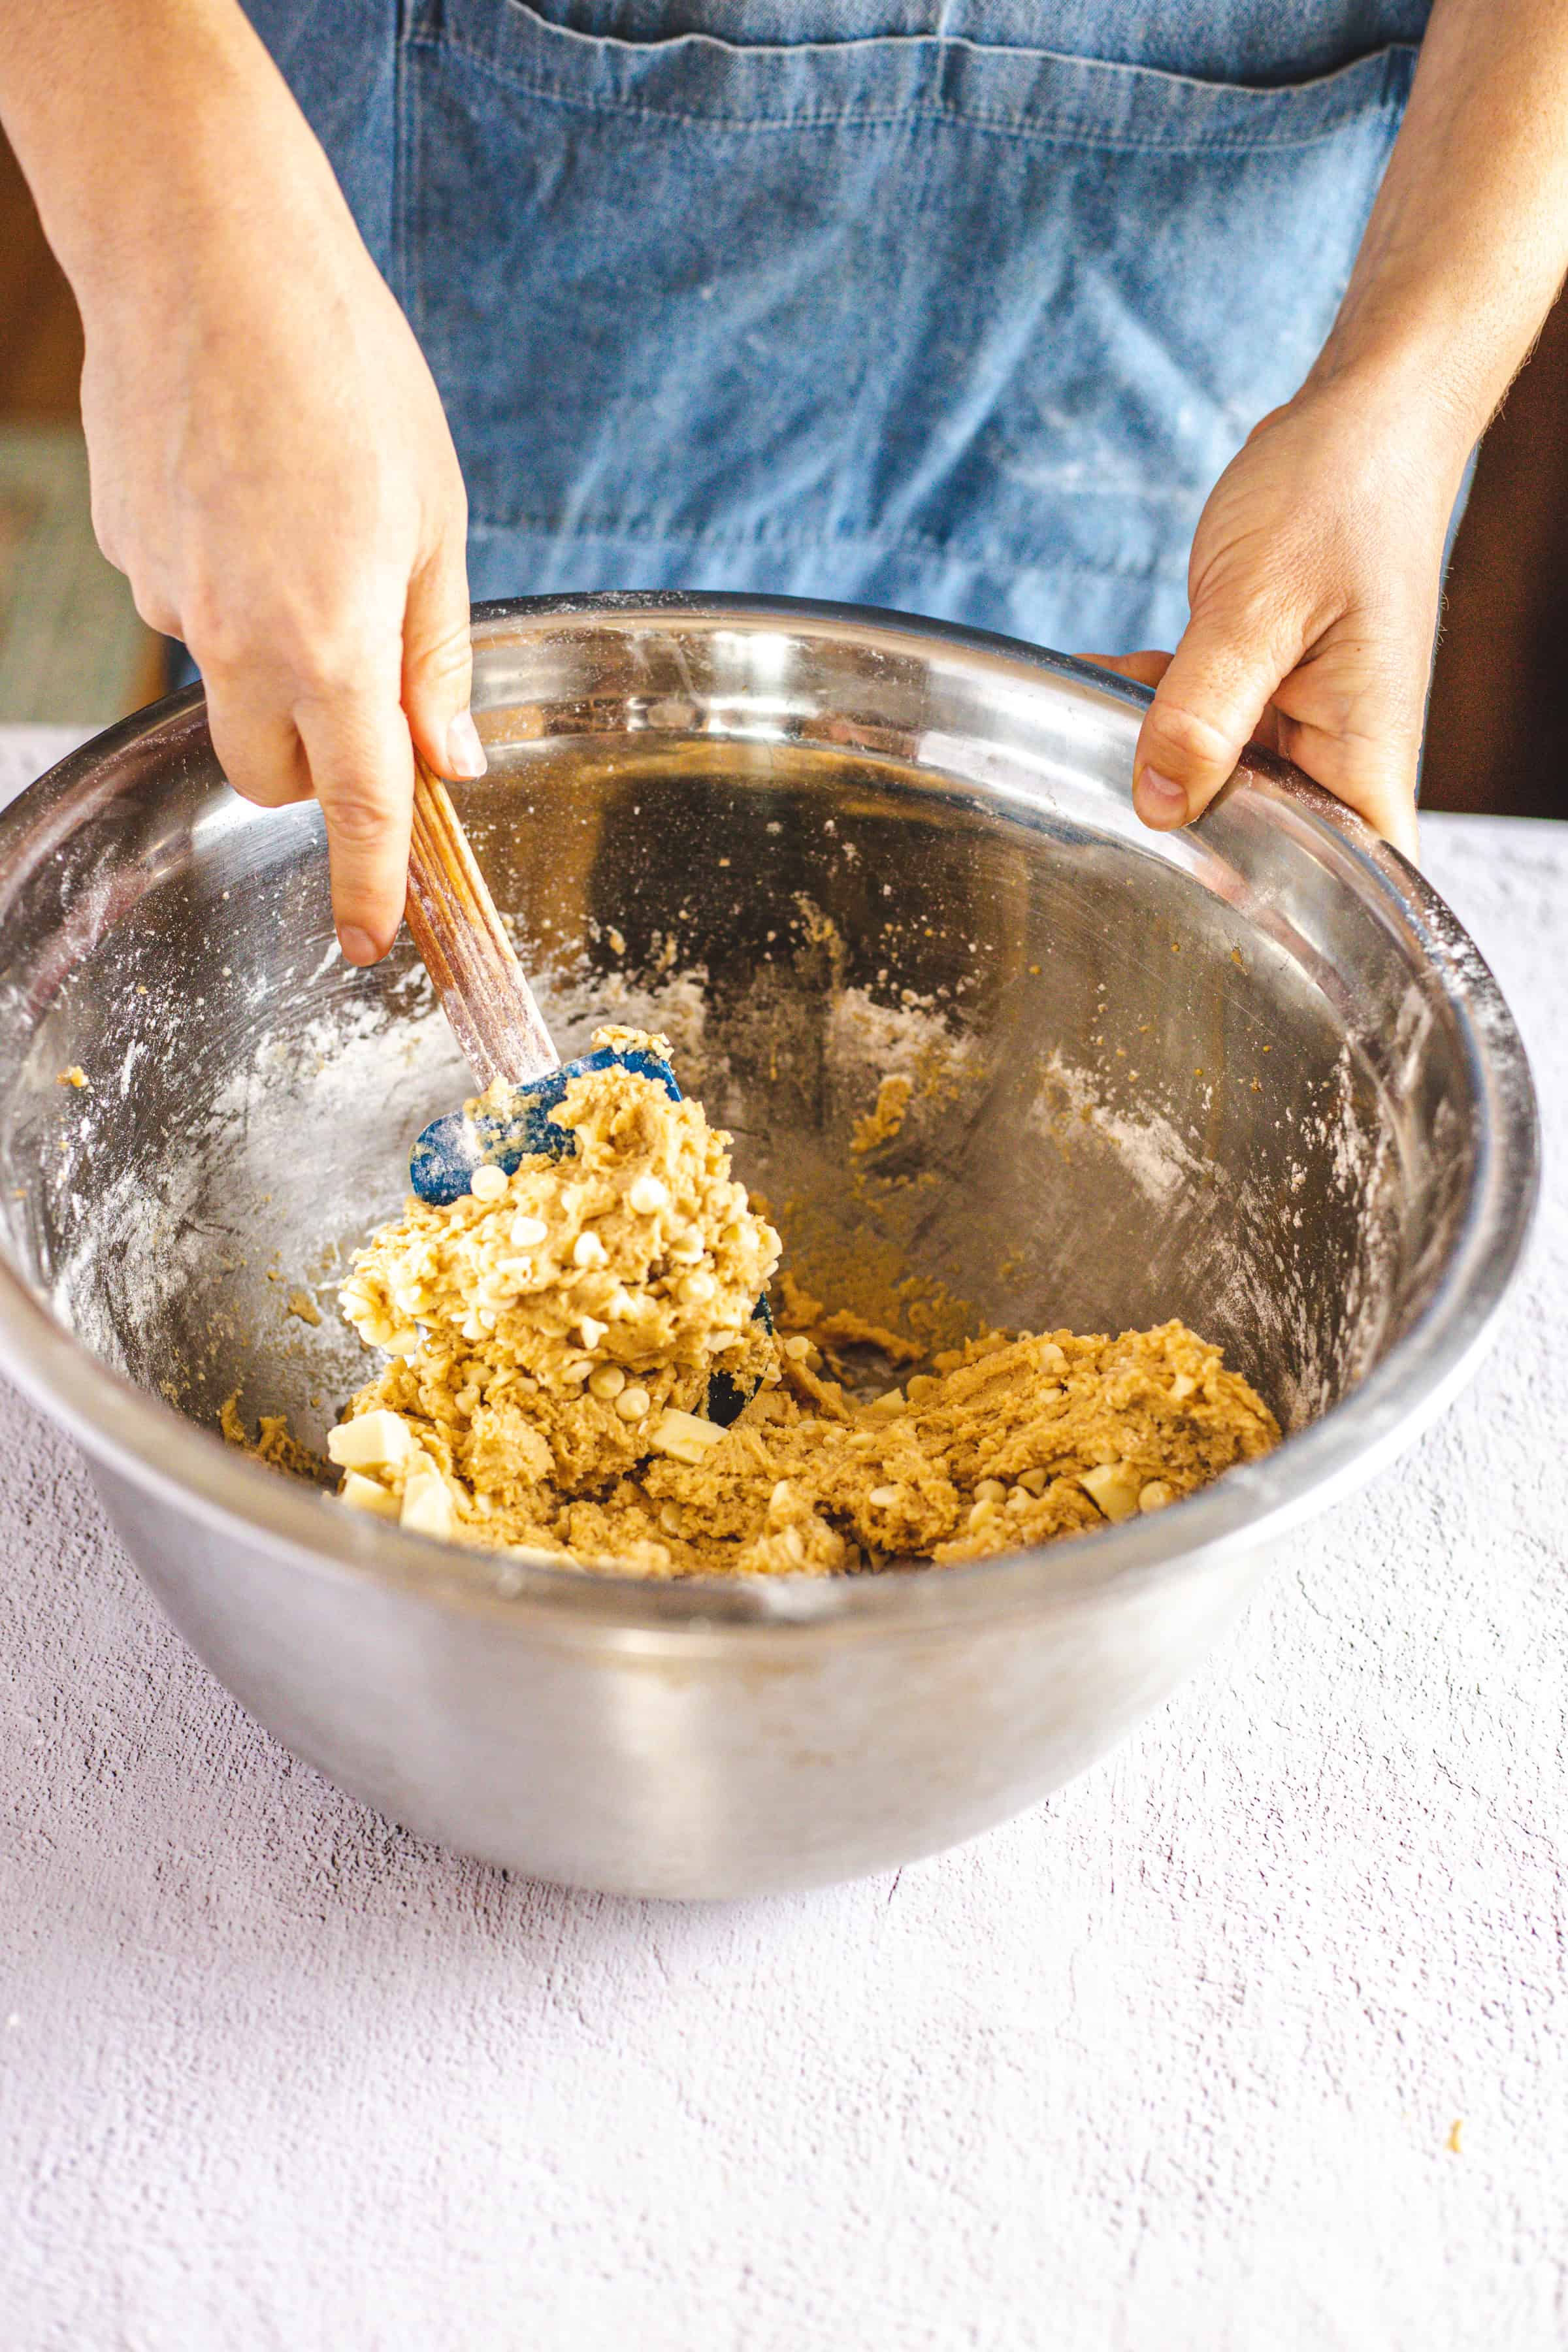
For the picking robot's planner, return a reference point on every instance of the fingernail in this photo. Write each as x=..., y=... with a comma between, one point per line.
x=465, y=752
x=1157, y=800
x=357, y=945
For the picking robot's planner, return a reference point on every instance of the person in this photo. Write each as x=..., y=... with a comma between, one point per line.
x=1111, y=327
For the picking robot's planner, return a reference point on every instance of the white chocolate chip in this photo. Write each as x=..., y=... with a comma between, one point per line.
x=1154, y=1496
x=487, y=1183
x=991, y=1490
x=592, y=1332
x=697, y=1289
x=883, y=1497
x=607, y=1381
x=632, y=1404
x=589, y=1250
x=797, y=1349
x=648, y=1195
x=527, y=1231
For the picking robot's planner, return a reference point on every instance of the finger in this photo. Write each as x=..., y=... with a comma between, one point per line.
x=153, y=606
x=1372, y=767
x=1148, y=668
x=1205, y=707
x=256, y=743
x=362, y=766
x=438, y=662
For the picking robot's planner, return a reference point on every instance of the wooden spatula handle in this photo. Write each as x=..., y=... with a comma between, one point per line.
x=467, y=953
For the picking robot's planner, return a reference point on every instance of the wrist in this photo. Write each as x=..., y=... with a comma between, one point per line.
x=170, y=127
x=1401, y=400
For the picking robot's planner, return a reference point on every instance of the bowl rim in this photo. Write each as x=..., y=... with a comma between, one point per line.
x=140, y=1438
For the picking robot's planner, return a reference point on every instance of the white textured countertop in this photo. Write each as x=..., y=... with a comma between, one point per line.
x=1174, y=2063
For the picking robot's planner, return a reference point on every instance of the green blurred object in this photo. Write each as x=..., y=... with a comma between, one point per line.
x=73, y=647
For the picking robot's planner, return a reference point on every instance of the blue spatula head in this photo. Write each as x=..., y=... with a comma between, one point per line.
x=443, y=1160
x=728, y=1398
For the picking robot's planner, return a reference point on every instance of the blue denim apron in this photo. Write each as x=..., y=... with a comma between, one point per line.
x=954, y=305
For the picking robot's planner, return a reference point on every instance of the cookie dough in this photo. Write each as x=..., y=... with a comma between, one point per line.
x=553, y=1335
x=885, y=1120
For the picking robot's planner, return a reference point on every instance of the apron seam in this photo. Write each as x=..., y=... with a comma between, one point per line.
x=879, y=390
x=1064, y=134
x=485, y=527
x=407, y=245
x=650, y=49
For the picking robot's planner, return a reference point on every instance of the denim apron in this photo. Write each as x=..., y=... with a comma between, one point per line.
x=953, y=305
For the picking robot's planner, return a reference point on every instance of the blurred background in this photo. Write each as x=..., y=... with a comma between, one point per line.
x=72, y=649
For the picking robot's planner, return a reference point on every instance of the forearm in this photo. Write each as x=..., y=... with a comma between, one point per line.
x=270, y=466
x=1468, y=243
x=145, y=127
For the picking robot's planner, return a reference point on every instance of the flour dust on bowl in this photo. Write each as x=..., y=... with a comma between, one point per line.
x=1253, y=1076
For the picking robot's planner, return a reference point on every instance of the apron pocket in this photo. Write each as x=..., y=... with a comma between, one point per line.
x=822, y=316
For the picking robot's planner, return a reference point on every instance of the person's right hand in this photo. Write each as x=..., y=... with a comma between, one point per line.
x=272, y=469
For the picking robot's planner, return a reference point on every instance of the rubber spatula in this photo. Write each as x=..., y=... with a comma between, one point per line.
x=485, y=995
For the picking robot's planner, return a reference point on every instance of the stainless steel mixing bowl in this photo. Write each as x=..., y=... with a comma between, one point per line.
x=1252, y=1075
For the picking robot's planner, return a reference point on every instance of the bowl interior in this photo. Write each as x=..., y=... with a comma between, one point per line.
x=1203, y=1077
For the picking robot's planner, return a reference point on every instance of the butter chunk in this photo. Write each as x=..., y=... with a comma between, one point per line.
x=373, y=1442
x=365, y=1495
x=426, y=1503
x=685, y=1436
x=1114, y=1486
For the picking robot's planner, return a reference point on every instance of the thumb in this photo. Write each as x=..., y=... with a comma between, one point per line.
x=1206, y=708
x=438, y=664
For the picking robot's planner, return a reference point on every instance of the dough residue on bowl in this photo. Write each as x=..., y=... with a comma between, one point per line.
x=561, y=1338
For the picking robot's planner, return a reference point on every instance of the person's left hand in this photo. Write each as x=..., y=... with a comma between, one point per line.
x=1313, y=586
